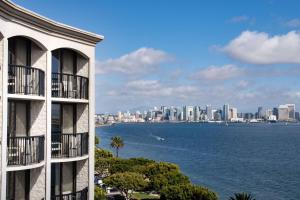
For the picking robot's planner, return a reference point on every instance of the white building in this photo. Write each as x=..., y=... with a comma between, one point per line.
x=291, y=110
x=233, y=113
x=283, y=113
x=188, y=114
x=46, y=107
x=209, y=112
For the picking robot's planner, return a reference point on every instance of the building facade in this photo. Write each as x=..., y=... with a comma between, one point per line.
x=46, y=107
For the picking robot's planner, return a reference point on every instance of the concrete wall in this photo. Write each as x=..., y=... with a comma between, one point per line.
x=82, y=118
x=1, y=99
x=38, y=118
x=82, y=174
x=82, y=66
x=37, y=183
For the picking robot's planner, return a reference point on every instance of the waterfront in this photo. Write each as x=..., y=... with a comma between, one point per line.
x=259, y=158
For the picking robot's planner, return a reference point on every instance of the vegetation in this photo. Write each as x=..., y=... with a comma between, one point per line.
x=97, y=140
x=187, y=192
x=126, y=182
x=99, y=194
x=143, y=196
x=117, y=143
x=242, y=196
x=136, y=176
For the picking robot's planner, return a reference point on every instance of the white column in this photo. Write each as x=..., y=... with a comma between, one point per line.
x=91, y=124
x=48, y=132
x=4, y=120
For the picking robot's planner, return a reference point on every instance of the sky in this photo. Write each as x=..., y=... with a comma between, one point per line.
x=175, y=53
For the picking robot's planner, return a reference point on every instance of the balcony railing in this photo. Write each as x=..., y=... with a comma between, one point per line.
x=25, y=150
x=26, y=80
x=69, y=86
x=69, y=145
x=80, y=195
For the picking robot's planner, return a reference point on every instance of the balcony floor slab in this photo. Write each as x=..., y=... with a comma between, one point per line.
x=59, y=160
x=19, y=168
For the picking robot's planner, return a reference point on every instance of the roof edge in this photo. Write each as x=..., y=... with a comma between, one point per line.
x=52, y=25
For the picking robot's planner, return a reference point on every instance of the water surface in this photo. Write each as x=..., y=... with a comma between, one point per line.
x=263, y=159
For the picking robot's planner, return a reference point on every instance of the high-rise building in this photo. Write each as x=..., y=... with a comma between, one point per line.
x=233, y=113
x=196, y=113
x=209, y=112
x=47, y=83
x=297, y=116
x=291, y=110
x=260, y=113
x=225, y=112
x=275, y=112
x=188, y=113
x=283, y=113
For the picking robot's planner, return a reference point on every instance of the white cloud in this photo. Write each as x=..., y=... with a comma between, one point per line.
x=243, y=84
x=239, y=19
x=260, y=48
x=218, y=73
x=140, y=61
x=293, y=23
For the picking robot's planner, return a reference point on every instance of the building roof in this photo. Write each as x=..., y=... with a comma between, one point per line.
x=50, y=26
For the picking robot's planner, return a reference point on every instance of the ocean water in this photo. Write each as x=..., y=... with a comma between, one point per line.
x=263, y=159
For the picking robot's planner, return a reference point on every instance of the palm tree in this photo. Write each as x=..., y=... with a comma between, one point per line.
x=242, y=196
x=117, y=143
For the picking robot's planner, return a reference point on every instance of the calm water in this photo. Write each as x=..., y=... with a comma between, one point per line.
x=263, y=159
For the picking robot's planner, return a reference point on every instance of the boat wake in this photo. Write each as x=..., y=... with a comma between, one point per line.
x=157, y=137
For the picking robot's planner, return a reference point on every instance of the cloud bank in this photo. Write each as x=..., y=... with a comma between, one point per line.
x=261, y=48
x=141, y=61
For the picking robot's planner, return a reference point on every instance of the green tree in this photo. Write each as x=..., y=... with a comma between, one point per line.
x=242, y=196
x=187, y=192
x=99, y=194
x=97, y=140
x=117, y=143
x=160, y=168
x=159, y=181
x=101, y=153
x=126, y=182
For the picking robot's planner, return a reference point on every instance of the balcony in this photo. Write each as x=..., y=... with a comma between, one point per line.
x=27, y=150
x=80, y=195
x=69, y=145
x=26, y=80
x=69, y=86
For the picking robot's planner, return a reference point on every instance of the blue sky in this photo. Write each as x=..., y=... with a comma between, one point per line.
x=245, y=53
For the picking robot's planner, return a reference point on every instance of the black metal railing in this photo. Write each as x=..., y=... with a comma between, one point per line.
x=26, y=80
x=25, y=150
x=69, y=86
x=79, y=195
x=69, y=145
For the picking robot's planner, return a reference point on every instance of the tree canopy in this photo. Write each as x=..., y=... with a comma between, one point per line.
x=126, y=182
x=187, y=192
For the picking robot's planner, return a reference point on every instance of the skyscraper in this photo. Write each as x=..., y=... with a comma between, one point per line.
x=260, y=113
x=209, y=112
x=291, y=110
x=283, y=113
x=225, y=112
x=196, y=113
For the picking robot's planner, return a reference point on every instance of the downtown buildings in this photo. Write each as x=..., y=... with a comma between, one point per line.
x=228, y=113
x=46, y=107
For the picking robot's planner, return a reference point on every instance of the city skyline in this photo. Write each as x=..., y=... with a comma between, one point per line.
x=190, y=53
x=196, y=113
